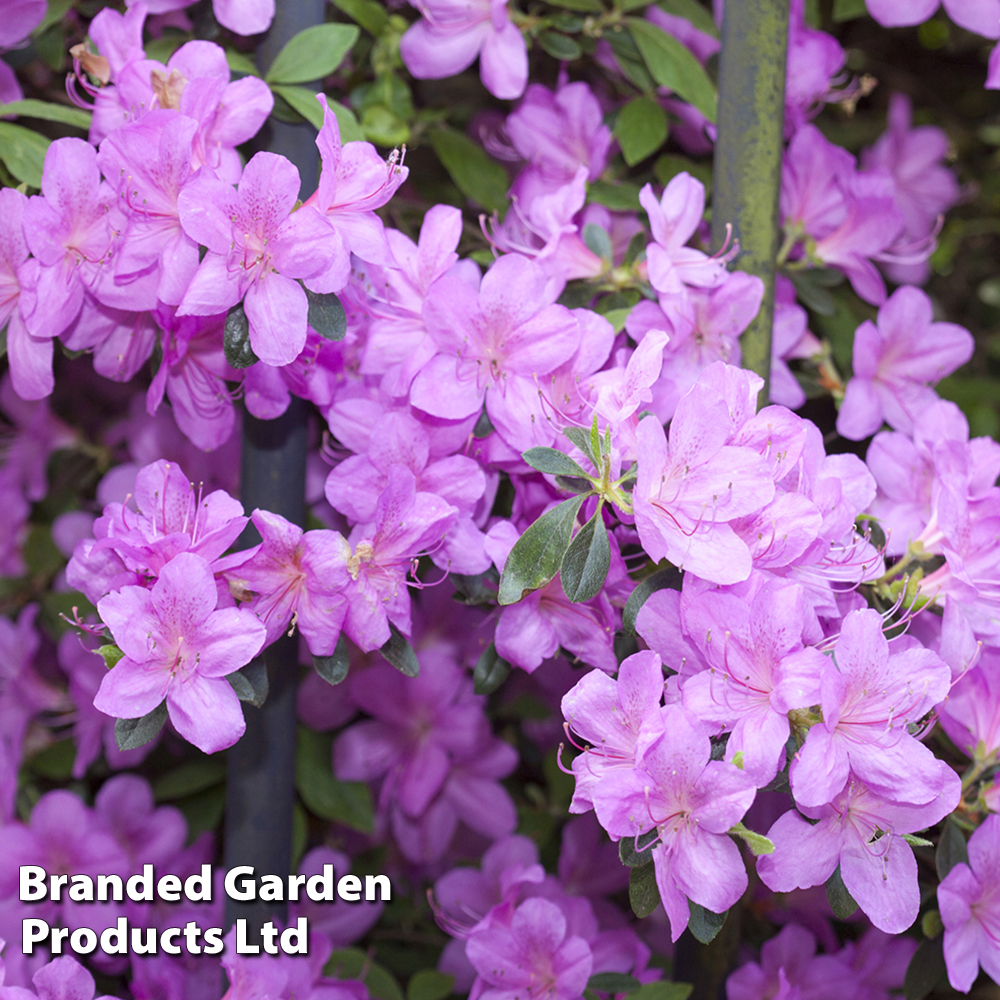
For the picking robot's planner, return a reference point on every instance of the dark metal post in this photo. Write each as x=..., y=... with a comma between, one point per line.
x=261, y=776
x=747, y=178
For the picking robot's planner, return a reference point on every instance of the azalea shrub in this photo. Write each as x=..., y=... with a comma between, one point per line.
x=621, y=660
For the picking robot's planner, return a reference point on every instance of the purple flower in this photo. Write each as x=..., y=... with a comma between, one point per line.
x=242, y=17
x=178, y=647
x=691, y=802
x=449, y=36
x=257, y=248
x=981, y=16
x=969, y=899
x=894, y=362
x=862, y=833
x=531, y=957
x=868, y=697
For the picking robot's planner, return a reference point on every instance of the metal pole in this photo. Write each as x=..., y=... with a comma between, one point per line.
x=261, y=766
x=747, y=176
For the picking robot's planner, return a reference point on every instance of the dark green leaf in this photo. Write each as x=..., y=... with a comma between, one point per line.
x=583, y=6
x=236, y=339
x=622, y=197
x=429, y=984
x=574, y=484
x=951, y=849
x=637, y=858
x=841, y=901
x=256, y=673
x=847, y=10
x=535, y=558
x=581, y=438
x=312, y=54
x=353, y=963
x=672, y=65
x=587, y=561
x=111, y=653
x=598, y=241
x=559, y=46
x=669, y=165
x=242, y=687
x=54, y=13
x=473, y=590
x=641, y=128
x=190, y=778
x=55, y=762
x=326, y=315
x=552, y=462
x=347, y=802
x=812, y=288
x=693, y=11
x=484, y=426
x=333, y=669
x=133, y=733
x=642, y=891
x=304, y=102
x=476, y=175
x=238, y=61
x=630, y=59
x=47, y=111
x=704, y=924
x=23, y=152
x=203, y=810
x=663, y=579
x=370, y=14
x=926, y=969
x=662, y=990
x=398, y=651
x=491, y=671
x=613, y=982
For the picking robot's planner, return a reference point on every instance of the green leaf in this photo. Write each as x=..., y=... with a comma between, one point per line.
x=312, y=54
x=398, y=651
x=304, y=102
x=190, y=778
x=642, y=891
x=663, y=579
x=662, y=990
x=641, y=128
x=535, y=558
x=347, y=802
x=239, y=62
x=583, y=6
x=161, y=49
x=669, y=165
x=926, y=969
x=917, y=841
x=585, y=566
x=758, y=843
x=111, y=653
x=236, y=339
x=55, y=762
x=841, y=901
x=333, y=669
x=552, y=462
x=491, y=671
x=54, y=13
x=23, y=152
x=635, y=852
x=133, y=733
x=703, y=924
x=353, y=963
x=598, y=241
x=951, y=849
x=478, y=177
x=559, y=46
x=369, y=14
x=693, y=11
x=326, y=315
x=812, y=288
x=621, y=197
x=47, y=111
x=847, y=10
x=250, y=682
x=429, y=984
x=671, y=64
x=613, y=982
x=617, y=318
x=582, y=439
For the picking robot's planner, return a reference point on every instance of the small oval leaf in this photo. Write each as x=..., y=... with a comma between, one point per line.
x=703, y=924
x=491, y=671
x=130, y=734
x=841, y=901
x=236, y=339
x=587, y=561
x=326, y=315
x=333, y=669
x=552, y=462
x=643, y=893
x=399, y=653
x=668, y=578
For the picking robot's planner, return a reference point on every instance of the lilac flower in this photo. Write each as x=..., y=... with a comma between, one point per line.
x=493, y=346
x=178, y=647
x=969, y=898
x=862, y=833
x=868, y=696
x=533, y=956
x=692, y=803
x=895, y=360
x=257, y=247
x=971, y=715
x=980, y=16
x=63, y=978
x=296, y=576
x=449, y=36
x=243, y=17
x=687, y=492
x=814, y=60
